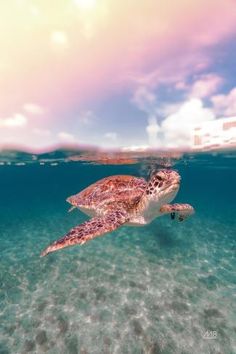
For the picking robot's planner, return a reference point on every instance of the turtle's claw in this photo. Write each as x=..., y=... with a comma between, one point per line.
x=72, y=208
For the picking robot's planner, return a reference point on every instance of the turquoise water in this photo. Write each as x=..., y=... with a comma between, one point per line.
x=168, y=287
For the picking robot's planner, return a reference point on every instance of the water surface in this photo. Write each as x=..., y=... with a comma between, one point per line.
x=168, y=287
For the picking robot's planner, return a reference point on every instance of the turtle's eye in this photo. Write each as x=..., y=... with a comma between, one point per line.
x=159, y=178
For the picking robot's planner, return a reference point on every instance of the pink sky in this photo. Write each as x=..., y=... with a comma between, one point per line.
x=56, y=57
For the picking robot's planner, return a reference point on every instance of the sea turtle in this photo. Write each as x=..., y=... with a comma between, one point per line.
x=118, y=200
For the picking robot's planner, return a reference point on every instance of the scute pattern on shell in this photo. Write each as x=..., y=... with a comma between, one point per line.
x=116, y=190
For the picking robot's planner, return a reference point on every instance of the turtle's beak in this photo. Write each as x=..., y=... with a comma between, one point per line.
x=72, y=208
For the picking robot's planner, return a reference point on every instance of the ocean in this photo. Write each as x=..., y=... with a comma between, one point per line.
x=168, y=287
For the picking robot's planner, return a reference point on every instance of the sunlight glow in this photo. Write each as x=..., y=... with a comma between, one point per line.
x=86, y=4
x=59, y=37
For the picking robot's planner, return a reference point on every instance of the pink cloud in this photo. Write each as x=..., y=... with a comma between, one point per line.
x=122, y=45
x=17, y=120
x=225, y=105
x=206, y=85
x=50, y=58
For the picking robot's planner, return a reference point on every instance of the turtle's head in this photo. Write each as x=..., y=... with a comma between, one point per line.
x=73, y=201
x=163, y=186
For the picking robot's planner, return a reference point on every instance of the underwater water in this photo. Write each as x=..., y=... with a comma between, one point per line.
x=168, y=287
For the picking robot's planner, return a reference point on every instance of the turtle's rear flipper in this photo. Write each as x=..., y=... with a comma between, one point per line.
x=177, y=211
x=89, y=230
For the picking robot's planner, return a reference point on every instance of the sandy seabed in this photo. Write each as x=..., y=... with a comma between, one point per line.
x=165, y=288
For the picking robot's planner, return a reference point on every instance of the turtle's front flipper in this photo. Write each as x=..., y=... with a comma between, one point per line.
x=177, y=211
x=89, y=230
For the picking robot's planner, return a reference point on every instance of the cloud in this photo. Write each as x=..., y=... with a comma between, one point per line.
x=152, y=130
x=135, y=148
x=17, y=120
x=176, y=129
x=151, y=38
x=159, y=44
x=145, y=99
x=111, y=136
x=66, y=137
x=87, y=117
x=33, y=108
x=206, y=85
x=225, y=104
x=42, y=132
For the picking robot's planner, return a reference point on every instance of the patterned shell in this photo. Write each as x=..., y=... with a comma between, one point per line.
x=115, y=190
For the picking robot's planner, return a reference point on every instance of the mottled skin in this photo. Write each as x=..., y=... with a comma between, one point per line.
x=118, y=200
